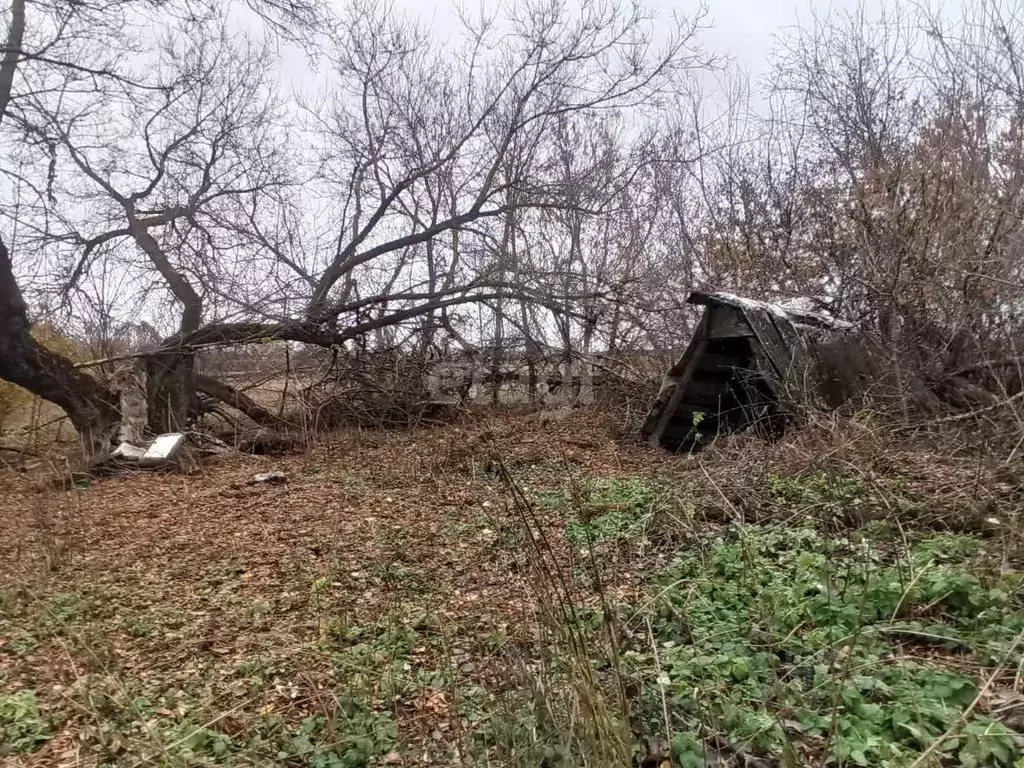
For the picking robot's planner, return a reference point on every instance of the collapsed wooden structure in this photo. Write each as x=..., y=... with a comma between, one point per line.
x=748, y=363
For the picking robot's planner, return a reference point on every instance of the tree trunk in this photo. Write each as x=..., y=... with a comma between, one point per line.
x=533, y=357
x=170, y=392
x=568, y=391
x=9, y=64
x=91, y=407
x=586, y=390
x=23, y=360
x=237, y=400
x=130, y=384
x=496, y=357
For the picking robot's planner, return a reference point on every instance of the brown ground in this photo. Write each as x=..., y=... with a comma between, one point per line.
x=177, y=587
x=144, y=602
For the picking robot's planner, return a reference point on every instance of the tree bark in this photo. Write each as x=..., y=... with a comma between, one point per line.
x=586, y=389
x=12, y=51
x=130, y=384
x=91, y=407
x=171, y=390
x=237, y=400
x=533, y=356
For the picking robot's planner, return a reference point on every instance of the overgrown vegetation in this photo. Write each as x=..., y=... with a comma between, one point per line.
x=788, y=644
x=602, y=509
x=511, y=209
x=566, y=608
x=873, y=172
x=837, y=638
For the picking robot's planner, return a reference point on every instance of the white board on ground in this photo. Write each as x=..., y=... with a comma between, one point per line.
x=163, y=449
x=128, y=451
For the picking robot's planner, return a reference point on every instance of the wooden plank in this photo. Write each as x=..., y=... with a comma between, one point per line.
x=734, y=327
x=772, y=343
x=693, y=353
x=679, y=367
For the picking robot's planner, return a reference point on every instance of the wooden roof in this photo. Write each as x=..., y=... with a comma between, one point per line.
x=731, y=376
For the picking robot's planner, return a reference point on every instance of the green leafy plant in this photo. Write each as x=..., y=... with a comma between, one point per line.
x=136, y=627
x=687, y=750
x=607, y=508
x=351, y=738
x=606, y=527
x=22, y=725
x=778, y=637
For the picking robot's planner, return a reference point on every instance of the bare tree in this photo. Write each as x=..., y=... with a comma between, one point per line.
x=23, y=360
x=64, y=54
x=885, y=183
x=189, y=162
x=424, y=159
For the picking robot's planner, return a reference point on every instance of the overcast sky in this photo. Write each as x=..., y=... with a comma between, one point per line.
x=744, y=29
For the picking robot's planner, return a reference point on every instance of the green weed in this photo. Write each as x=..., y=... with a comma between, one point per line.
x=606, y=508
x=22, y=725
x=783, y=641
x=134, y=730
x=828, y=496
x=136, y=627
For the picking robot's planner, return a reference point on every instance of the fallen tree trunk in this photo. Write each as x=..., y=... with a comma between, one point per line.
x=90, y=406
x=23, y=360
x=237, y=400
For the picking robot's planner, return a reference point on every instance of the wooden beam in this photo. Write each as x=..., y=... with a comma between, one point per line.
x=692, y=358
x=727, y=323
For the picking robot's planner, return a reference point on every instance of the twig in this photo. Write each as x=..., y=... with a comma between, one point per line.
x=985, y=366
x=978, y=412
x=22, y=451
x=29, y=428
x=661, y=687
x=111, y=359
x=737, y=513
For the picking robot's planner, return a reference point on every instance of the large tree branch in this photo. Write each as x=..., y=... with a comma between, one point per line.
x=319, y=334
x=192, y=303
x=91, y=244
x=27, y=363
x=23, y=360
x=237, y=400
